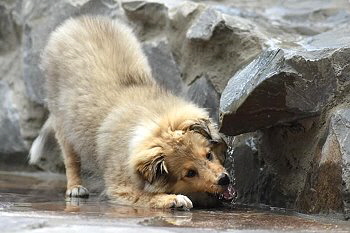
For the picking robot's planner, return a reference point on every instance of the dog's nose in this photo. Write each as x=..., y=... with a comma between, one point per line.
x=224, y=179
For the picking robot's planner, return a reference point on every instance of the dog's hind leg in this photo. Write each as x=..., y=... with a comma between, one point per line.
x=72, y=164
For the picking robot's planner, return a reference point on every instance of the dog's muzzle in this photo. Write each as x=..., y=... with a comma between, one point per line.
x=224, y=180
x=229, y=192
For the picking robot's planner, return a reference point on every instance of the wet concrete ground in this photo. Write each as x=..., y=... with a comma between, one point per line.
x=34, y=202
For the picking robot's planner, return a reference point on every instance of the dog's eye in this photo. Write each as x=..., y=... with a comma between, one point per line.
x=191, y=173
x=210, y=156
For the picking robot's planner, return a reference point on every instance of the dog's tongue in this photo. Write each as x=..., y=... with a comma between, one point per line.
x=229, y=193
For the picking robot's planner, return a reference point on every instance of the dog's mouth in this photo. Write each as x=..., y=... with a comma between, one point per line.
x=228, y=194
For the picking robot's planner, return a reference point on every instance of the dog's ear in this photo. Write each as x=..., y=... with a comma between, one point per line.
x=202, y=127
x=152, y=167
x=208, y=130
x=219, y=147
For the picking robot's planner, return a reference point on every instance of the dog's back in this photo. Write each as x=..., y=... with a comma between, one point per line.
x=86, y=62
x=97, y=51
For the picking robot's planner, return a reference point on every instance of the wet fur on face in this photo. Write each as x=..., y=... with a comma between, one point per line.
x=181, y=161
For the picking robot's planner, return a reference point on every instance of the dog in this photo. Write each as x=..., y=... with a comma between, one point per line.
x=151, y=148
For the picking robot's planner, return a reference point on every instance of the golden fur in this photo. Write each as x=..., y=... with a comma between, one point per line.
x=110, y=116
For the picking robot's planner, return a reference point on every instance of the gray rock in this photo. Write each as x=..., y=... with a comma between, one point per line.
x=204, y=25
x=340, y=130
x=164, y=68
x=41, y=17
x=245, y=166
x=20, y=118
x=287, y=154
x=26, y=116
x=10, y=137
x=308, y=19
x=327, y=184
x=327, y=40
x=203, y=93
x=302, y=165
x=10, y=31
x=284, y=85
x=209, y=37
x=150, y=17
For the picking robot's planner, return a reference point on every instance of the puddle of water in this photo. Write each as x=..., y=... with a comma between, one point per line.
x=41, y=195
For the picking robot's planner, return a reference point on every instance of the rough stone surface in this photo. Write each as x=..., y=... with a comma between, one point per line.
x=245, y=165
x=339, y=134
x=284, y=85
x=274, y=73
x=203, y=93
x=213, y=37
x=150, y=18
x=20, y=118
x=302, y=165
x=291, y=94
x=163, y=65
x=40, y=18
x=9, y=122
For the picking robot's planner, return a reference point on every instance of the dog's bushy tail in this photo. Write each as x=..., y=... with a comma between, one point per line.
x=43, y=144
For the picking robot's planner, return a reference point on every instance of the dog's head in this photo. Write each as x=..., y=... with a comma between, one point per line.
x=188, y=159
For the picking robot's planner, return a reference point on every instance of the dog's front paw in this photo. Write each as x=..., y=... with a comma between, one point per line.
x=174, y=201
x=77, y=191
x=182, y=201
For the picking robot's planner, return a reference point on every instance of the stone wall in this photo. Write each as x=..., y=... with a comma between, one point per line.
x=274, y=73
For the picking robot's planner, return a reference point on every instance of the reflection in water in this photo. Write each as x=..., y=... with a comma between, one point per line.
x=160, y=217
x=35, y=194
x=94, y=206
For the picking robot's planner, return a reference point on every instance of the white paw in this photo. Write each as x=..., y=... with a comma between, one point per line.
x=182, y=201
x=77, y=191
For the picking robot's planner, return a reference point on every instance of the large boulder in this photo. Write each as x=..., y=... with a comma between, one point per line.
x=203, y=38
x=20, y=118
x=303, y=165
x=284, y=85
x=294, y=95
x=328, y=181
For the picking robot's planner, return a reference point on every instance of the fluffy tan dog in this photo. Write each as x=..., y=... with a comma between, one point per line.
x=152, y=148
